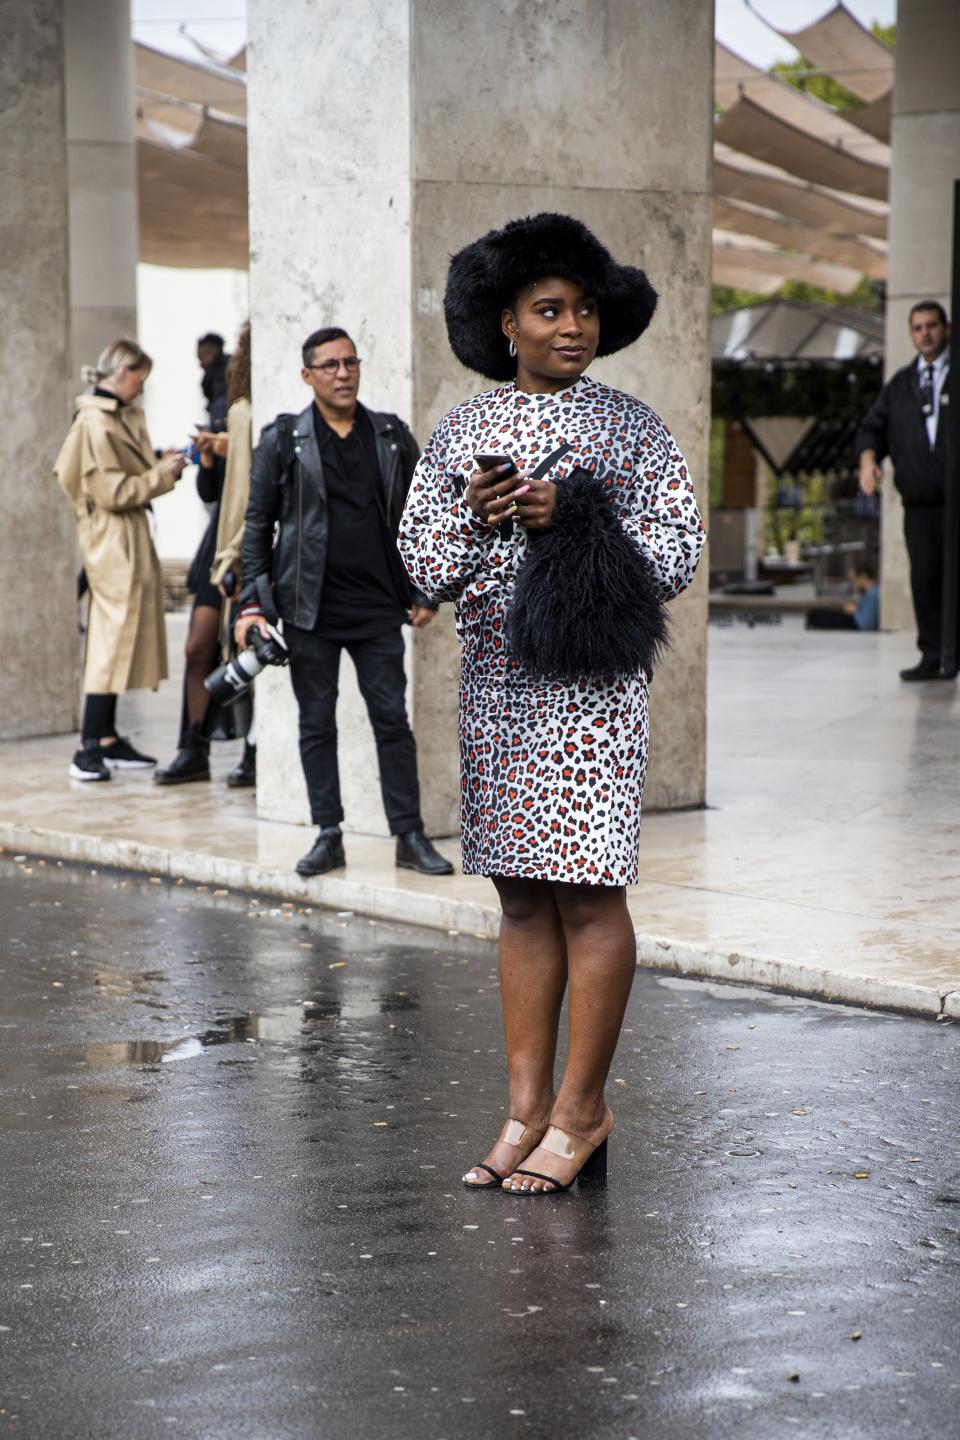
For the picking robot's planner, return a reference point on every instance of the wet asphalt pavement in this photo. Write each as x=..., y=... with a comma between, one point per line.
x=231, y=1149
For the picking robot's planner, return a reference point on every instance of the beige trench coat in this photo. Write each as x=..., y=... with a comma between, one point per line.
x=109, y=472
x=236, y=491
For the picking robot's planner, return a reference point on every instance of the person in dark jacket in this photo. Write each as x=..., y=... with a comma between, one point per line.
x=908, y=423
x=214, y=362
x=334, y=479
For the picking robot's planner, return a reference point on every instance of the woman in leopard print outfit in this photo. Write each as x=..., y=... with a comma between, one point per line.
x=551, y=773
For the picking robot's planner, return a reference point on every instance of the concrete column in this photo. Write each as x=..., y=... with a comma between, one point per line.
x=405, y=157
x=102, y=170
x=38, y=677
x=925, y=163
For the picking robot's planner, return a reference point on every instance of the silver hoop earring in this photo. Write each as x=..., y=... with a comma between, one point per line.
x=512, y=347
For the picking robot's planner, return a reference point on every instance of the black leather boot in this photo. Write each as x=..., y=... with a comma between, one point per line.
x=244, y=775
x=192, y=762
x=414, y=852
x=327, y=854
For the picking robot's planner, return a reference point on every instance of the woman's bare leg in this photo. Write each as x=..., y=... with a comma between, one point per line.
x=601, y=963
x=533, y=977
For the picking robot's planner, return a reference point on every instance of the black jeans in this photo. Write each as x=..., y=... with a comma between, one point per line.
x=314, y=669
x=923, y=531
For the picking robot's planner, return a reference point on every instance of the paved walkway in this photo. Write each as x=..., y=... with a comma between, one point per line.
x=232, y=1201
x=826, y=863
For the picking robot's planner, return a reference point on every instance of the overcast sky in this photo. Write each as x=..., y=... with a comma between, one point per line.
x=220, y=24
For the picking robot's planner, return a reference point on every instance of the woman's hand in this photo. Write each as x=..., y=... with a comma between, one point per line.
x=172, y=464
x=488, y=489
x=532, y=505
x=213, y=442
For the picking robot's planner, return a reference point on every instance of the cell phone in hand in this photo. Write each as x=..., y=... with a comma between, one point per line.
x=490, y=462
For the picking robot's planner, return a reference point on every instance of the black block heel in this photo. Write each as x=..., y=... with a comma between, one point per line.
x=594, y=1168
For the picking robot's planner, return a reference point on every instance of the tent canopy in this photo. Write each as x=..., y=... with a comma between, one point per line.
x=801, y=188
x=790, y=330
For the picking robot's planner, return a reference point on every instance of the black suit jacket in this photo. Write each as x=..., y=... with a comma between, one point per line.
x=895, y=426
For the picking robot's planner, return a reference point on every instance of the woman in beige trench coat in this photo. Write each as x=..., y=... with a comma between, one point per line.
x=110, y=474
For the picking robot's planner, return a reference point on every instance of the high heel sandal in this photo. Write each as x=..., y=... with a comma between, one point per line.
x=592, y=1158
x=513, y=1133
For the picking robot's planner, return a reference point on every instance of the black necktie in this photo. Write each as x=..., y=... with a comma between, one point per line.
x=926, y=390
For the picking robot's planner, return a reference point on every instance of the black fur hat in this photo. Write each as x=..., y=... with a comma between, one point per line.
x=489, y=274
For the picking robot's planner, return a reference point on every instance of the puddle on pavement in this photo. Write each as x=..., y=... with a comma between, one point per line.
x=279, y=1023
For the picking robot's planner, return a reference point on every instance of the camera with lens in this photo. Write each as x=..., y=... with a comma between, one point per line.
x=234, y=678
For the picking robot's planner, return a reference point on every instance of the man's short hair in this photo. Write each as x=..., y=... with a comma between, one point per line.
x=323, y=337
x=929, y=305
x=212, y=338
x=866, y=569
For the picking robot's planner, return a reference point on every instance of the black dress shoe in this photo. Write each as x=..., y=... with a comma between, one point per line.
x=327, y=854
x=244, y=775
x=192, y=762
x=926, y=670
x=414, y=852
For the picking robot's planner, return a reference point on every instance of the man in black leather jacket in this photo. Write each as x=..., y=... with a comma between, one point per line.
x=908, y=423
x=331, y=484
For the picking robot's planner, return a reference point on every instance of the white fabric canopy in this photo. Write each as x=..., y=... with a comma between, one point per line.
x=840, y=46
x=792, y=234
x=754, y=128
x=800, y=188
x=735, y=254
x=736, y=177
x=159, y=74
x=191, y=162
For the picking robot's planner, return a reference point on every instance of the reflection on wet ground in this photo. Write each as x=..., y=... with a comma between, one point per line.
x=241, y=1212
x=282, y=1022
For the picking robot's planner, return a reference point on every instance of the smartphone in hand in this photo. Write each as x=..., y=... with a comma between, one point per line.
x=485, y=461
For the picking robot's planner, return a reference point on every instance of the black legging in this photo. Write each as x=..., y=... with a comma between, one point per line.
x=99, y=717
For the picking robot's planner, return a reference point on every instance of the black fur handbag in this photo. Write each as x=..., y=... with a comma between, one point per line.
x=586, y=603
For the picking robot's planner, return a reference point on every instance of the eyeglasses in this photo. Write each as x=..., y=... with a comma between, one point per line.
x=350, y=363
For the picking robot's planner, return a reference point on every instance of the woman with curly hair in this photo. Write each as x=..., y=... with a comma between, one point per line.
x=558, y=514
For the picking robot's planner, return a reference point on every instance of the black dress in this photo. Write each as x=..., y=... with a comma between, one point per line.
x=209, y=488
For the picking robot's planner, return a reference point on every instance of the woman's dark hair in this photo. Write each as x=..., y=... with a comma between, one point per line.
x=322, y=337
x=930, y=305
x=238, y=370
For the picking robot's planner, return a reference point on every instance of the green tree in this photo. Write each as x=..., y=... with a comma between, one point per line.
x=803, y=76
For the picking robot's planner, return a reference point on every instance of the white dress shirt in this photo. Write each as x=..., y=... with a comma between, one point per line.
x=940, y=367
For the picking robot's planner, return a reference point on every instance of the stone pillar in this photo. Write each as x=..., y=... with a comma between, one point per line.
x=925, y=163
x=413, y=160
x=102, y=170
x=38, y=678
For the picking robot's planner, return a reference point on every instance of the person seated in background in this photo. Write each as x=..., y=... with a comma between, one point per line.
x=860, y=614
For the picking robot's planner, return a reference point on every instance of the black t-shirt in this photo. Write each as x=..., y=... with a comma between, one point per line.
x=359, y=599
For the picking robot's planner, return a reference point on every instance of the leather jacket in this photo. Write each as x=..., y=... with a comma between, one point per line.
x=288, y=499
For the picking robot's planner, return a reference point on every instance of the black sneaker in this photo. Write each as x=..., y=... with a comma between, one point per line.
x=87, y=764
x=122, y=756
